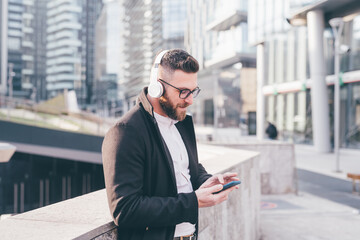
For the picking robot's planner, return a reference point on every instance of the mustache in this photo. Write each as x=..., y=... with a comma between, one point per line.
x=183, y=105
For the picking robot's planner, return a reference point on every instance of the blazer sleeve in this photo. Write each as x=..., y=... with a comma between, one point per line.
x=123, y=154
x=202, y=175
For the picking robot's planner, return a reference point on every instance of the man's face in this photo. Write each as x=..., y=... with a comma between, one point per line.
x=172, y=105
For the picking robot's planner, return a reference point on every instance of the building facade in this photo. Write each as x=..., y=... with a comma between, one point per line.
x=142, y=41
x=70, y=47
x=91, y=10
x=295, y=45
x=23, y=29
x=39, y=83
x=174, y=13
x=20, y=46
x=109, y=60
x=217, y=36
x=3, y=47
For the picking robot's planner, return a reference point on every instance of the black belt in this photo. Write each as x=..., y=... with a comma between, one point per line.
x=190, y=237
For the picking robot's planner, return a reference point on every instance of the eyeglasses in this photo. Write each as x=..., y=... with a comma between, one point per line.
x=184, y=93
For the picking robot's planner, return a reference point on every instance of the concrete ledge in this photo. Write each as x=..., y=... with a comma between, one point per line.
x=88, y=216
x=277, y=164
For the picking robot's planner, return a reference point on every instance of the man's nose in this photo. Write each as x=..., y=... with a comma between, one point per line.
x=189, y=100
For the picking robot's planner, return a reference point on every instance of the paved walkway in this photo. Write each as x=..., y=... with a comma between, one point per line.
x=325, y=163
x=324, y=209
x=307, y=217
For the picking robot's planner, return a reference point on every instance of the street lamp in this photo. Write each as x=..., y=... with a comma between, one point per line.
x=337, y=25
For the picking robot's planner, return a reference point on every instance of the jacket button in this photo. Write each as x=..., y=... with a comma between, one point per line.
x=147, y=228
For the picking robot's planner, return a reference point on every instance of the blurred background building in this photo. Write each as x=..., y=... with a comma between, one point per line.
x=174, y=15
x=259, y=60
x=109, y=60
x=143, y=39
x=70, y=48
x=217, y=35
x=21, y=46
x=3, y=47
x=298, y=83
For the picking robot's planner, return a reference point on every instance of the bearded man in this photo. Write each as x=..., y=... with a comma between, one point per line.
x=154, y=182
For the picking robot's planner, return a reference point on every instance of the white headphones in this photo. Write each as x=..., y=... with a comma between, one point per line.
x=155, y=88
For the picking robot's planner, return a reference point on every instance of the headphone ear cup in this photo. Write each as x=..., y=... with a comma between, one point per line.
x=156, y=89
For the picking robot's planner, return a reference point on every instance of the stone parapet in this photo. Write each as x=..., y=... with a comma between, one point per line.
x=277, y=165
x=88, y=216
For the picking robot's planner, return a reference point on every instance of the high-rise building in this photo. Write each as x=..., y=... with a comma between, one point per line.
x=91, y=13
x=142, y=41
x=23, y=47
x=39, y=81
x=217, y=37
x=28, y=46
x=70, y=46
x=16, y=43
x=297, y=77
x=129, y=35
x=109, y=59
x=63, y=48
x=174, y=23
x=3, y=46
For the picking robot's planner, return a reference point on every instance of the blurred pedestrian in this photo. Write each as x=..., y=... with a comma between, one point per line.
x=271, y=131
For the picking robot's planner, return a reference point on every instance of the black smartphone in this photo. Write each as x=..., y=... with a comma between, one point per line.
x=228, y=185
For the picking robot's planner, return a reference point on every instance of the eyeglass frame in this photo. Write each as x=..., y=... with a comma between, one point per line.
x=181, y=90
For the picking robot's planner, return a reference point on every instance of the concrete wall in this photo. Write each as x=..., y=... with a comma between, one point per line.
x=238, y=217
x=277, y=165
x=88, y=216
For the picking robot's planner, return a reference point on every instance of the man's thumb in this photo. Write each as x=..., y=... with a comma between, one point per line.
x=216, y=188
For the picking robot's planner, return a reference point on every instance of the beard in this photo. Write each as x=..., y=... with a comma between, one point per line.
x=172, y=111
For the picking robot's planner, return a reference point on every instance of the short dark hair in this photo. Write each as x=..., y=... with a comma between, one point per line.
x=178, y=59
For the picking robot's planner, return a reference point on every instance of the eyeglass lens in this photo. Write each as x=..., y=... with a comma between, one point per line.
x=186, y=93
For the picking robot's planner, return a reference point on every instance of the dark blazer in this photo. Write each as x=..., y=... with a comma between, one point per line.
x=139, y=176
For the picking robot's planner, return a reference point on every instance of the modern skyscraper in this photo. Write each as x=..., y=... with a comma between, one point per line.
x=22, y=45
x=28, y=46
x=109, y=58
x=3, y=46
x=91, y=13
x=63, y=48
x=143, y=40
x=16, y=44
x=70, y=46
x=39, y=82
x=174, y=23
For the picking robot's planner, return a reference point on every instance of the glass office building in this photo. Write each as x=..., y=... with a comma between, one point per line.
x=109, y=60
x=142, y=34
x=3, y=47
x=70, y=48
x=174, y=23
x=217, y=36
x=296, y=46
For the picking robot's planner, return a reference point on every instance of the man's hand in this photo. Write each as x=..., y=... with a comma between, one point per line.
x=206, y=198
x=220, y=179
